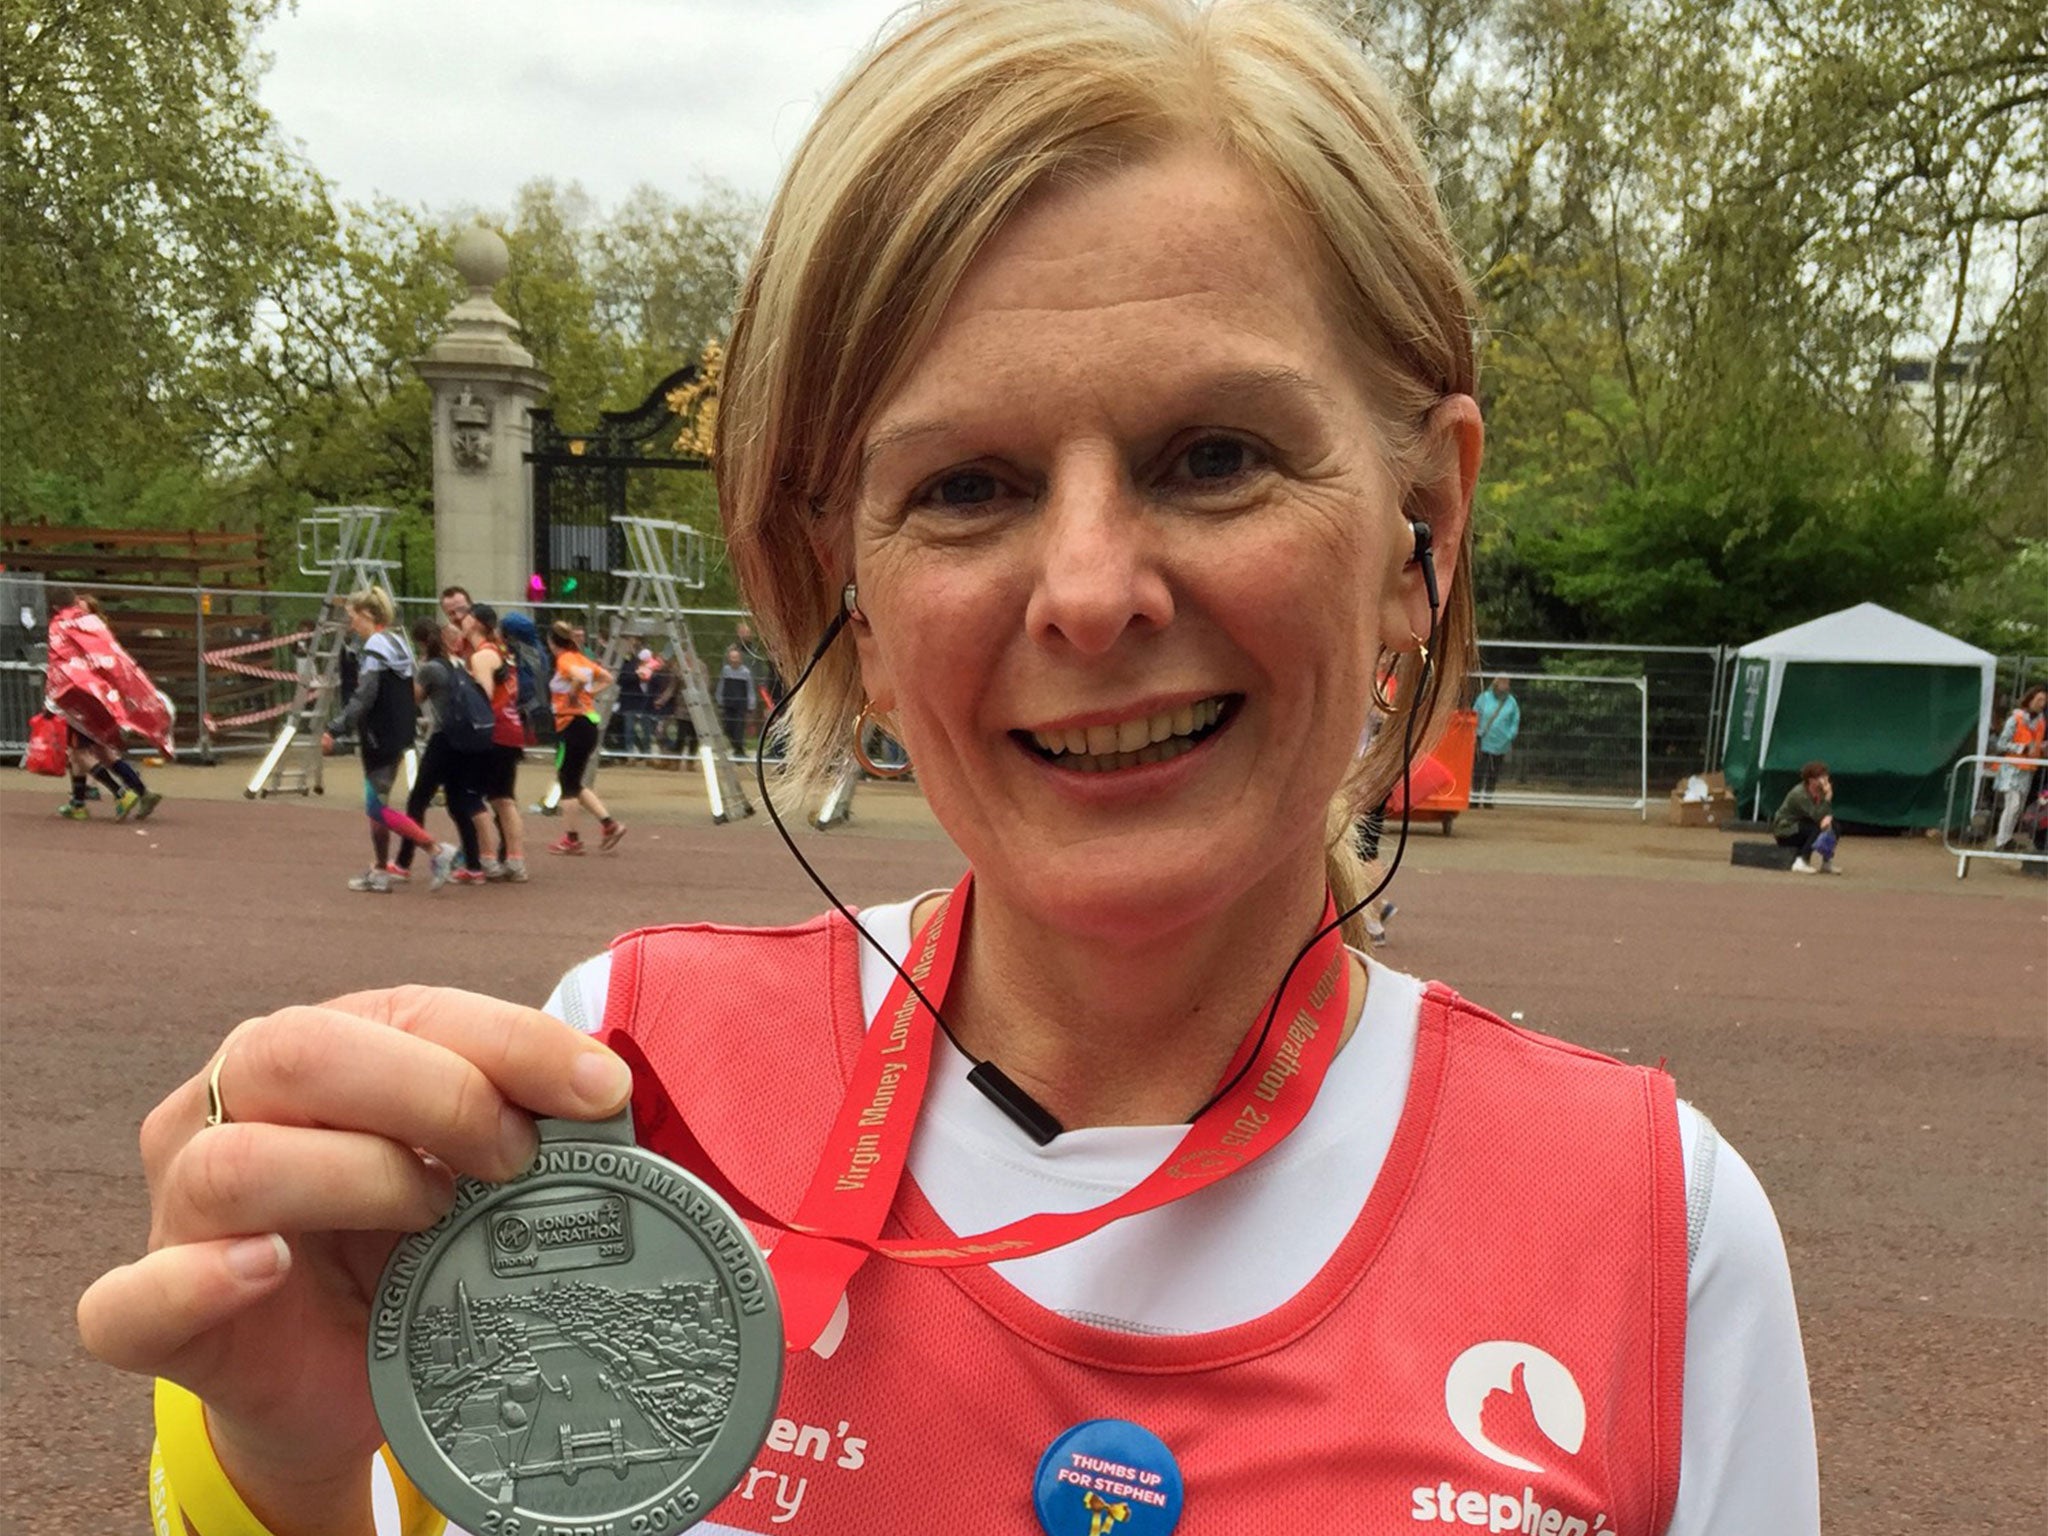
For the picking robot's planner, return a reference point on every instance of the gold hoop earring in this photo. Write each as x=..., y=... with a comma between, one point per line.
x=861, y=722
x=1381, y=702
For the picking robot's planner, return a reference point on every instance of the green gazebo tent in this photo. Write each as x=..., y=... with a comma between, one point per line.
x=1888, y=703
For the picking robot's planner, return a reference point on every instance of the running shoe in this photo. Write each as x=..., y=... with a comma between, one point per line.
x=1387, y=911
x=74, y=810
x=613, y=831
x=515, y=871
x=1801, y=867
x=440, y=866
x=374, y=881
x=125, y=802
x=494, y=869
x=399, y=874
x=568, y=843
x=150, y=801
x=470, y=877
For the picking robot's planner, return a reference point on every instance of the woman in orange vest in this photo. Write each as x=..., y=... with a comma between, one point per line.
x=2024, y=743
x=1099, y=420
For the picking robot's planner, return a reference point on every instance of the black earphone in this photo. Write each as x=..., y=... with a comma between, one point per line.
x=1424, y=540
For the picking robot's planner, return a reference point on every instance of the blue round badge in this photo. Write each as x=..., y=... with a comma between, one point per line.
x=1107, y=1477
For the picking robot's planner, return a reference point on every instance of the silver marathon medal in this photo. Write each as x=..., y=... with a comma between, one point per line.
x=594, y=1348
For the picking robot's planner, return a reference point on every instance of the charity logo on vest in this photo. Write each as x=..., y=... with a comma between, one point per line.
x=1107, y=1477
x=1518, y=1406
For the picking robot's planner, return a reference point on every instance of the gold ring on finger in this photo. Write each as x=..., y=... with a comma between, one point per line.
x=216, y=1109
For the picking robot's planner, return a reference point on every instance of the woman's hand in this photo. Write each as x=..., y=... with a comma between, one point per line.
x=347, y=1124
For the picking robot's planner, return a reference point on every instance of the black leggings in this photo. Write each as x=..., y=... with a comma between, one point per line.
x=1485, y=774
x=574, y=742
x=461, y=774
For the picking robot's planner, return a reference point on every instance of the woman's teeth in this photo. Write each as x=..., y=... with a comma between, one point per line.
x=1150, y=739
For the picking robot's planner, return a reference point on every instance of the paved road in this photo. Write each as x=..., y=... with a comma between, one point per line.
x=1876, y=1045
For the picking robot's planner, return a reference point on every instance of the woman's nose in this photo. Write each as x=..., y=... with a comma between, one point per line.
x=1099, y=572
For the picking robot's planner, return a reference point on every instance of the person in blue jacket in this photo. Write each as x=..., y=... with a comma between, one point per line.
x=1500, y=716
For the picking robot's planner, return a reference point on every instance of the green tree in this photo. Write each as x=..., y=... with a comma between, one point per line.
x=1706, y=234
x=146, y=200
x=611, y=304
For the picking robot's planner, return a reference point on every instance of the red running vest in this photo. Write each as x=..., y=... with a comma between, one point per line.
x=1497, y=1345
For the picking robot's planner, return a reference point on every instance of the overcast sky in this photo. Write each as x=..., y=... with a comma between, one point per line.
x=454, y=103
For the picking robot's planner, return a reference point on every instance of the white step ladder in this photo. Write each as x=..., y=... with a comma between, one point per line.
x=663, y=561
x=346, y=545
x=837, y=806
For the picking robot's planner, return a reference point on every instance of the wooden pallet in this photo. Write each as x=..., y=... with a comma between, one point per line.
x=144, y=556
x=161, y=630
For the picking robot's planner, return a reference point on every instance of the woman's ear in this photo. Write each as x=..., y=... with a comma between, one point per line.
x=1454, y=441
x=829, y=538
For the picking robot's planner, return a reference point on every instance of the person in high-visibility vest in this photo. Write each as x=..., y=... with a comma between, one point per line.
x=2024, y=743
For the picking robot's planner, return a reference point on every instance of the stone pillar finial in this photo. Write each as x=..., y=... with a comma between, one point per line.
x=481, y=257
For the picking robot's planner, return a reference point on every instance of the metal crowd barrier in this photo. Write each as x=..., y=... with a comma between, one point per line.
x=1978, y=766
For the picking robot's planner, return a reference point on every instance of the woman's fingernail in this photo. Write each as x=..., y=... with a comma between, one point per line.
x=517, y=1139
x=255, y=1259
x=441, y=1193
x=600, y=1079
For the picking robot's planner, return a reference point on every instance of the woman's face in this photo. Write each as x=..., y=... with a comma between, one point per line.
x=361, y=623
x=1129, y=550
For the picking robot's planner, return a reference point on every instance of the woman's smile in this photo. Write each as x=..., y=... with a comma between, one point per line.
x=1116, y=741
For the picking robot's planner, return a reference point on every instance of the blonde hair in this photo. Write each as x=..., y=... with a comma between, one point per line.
x=918, y=159
x=375, y=602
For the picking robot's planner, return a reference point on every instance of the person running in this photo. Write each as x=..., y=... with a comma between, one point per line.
x=574, y=689
x=101, y=693
x=443, y=764
x=382, y=713
x=490, y=663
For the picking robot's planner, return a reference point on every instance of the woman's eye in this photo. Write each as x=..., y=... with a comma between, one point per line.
x=963, y=488
x=1217, y=458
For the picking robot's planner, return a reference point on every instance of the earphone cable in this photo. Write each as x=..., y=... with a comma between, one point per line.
x=768, y=803
x=1427, y=690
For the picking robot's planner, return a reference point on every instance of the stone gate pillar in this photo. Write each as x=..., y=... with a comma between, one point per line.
x=484, y=383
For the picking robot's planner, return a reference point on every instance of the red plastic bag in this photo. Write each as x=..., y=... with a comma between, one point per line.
x=47, y=746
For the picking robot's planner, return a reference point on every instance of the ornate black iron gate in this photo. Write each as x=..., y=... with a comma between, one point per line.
x=582, y=480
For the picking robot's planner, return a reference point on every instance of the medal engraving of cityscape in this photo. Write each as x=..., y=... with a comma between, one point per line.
x=554, y=1391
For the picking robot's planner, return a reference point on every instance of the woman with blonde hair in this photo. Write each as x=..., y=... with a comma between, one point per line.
x=1098, y=420
x=384, y=717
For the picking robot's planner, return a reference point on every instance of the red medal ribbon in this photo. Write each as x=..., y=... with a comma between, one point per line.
x=839, y=1222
